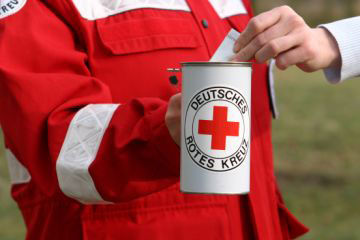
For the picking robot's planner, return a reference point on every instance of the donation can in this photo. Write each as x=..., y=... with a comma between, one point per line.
x=215, y=137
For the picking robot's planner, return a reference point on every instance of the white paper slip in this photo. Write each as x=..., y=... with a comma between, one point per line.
x=225, y=50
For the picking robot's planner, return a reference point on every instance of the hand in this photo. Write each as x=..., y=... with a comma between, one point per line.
x=282, y=34
x=173, y=117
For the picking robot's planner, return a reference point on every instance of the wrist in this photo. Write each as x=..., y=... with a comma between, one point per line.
x=330, y=48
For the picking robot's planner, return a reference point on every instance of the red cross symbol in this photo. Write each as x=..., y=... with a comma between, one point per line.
x=219, y=128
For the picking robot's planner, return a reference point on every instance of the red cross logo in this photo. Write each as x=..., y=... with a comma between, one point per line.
x=219, y=128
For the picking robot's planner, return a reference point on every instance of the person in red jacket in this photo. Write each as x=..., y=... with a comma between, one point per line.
x=84, y=98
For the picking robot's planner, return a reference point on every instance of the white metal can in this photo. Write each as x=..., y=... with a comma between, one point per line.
x=215, y=137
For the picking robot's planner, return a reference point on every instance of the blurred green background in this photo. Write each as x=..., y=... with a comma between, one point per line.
x=315, y=143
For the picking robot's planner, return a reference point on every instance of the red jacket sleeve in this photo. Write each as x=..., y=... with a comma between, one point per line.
x=62, y=125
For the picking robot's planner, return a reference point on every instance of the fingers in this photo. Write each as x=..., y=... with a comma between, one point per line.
x=256, y=26
x=175, y=101
x=277, y=46
x=266, y=39
x=173, y=117
x=279, y=30
x=295, y=56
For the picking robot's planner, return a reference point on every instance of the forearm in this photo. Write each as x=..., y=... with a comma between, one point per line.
x=63, y=125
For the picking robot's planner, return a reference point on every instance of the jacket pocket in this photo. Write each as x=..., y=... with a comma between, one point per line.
x=146, y=30
x=176, y=222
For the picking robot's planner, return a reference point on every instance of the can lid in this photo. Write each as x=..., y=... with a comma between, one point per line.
x=235, y=64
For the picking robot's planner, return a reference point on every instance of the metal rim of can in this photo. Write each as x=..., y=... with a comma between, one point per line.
x=230, y=193
x=235, y=64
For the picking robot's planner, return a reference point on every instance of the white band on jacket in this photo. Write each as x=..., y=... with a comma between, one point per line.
x=98, y=9
x=272, y=92
x=79, y=150
x=228, y=8
x=18, y=173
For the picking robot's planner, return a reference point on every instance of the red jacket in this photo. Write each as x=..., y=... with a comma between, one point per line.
x=84, y=90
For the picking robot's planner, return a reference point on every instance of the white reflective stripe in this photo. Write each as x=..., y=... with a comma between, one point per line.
x=228, y=8
x=18, y=173
x=271, y=79
x=79, y=150
x=97, y=9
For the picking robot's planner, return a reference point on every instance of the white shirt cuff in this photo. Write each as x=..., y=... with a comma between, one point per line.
x=347, y=34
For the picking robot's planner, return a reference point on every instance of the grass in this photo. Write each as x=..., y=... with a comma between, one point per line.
x=317, y=152
x=317, y=157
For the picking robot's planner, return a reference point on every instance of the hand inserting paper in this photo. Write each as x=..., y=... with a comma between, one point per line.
x=282, y=34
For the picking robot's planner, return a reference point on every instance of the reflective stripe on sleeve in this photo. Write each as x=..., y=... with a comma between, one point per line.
x=18, y=173
x=79, y=150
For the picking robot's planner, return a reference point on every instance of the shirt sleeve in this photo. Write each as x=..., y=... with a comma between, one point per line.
x=62, y=125
x=347, y=34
